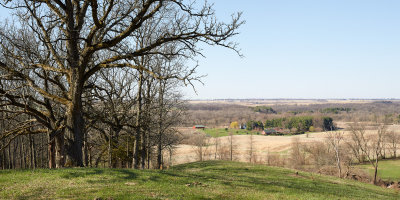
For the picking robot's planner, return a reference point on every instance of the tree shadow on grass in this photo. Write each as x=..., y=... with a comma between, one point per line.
x=113, y=176
x=77, y=173
x=128, y=174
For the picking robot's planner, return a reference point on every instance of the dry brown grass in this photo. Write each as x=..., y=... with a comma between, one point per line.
x=263, y=146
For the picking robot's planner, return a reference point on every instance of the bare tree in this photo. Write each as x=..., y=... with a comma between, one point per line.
x=77, y=39
x=393, y=139
x=200, y=145
x=370, y=145
x=334, y=139
x=251, y=146
x=297, y=154
x=216, y=145
x=231, y=146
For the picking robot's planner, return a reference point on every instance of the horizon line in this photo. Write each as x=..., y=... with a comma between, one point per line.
x=219, y=99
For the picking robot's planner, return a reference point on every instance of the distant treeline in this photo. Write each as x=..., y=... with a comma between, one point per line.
x=219, y=114
x=336, y=110
x=300, y=123
x=263, y=109
x=331, y=110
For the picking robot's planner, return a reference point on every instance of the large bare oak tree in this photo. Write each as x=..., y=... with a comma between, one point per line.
x=55, y=47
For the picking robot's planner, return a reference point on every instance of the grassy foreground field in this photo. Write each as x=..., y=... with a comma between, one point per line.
x=387, y=169
x=202, y=180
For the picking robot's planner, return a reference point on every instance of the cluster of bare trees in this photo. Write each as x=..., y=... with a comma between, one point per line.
x=98, y=79
x=214, y=148
x=342, y=150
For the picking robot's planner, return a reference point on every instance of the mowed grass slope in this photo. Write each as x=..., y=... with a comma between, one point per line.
x=202, y=180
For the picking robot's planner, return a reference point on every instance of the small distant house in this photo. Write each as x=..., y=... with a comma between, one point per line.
x=279, y=130
x=199, y=127
x=269, y=131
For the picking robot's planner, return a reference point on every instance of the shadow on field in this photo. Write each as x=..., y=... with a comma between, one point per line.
x=201, y=165
x=110, y=176
x=81, y=173
x=128, y=174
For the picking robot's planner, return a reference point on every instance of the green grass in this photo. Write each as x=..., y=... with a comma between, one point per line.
x=387, y=169
x=201, y=180
x=221, y=132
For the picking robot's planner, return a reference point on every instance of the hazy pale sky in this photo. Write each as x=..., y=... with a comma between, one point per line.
x=305, y=49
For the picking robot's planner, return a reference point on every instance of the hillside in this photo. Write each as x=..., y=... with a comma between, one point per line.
x=202, y=180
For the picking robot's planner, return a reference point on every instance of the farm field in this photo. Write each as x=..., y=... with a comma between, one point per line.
x=263, y=145
x=388, y=170
x=201, y=180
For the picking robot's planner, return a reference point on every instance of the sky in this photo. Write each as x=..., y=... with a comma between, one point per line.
x=304, y=49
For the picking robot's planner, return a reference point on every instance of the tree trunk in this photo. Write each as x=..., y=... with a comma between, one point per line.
x=3, y=154
x=231, y=146
x=98, y=159
x=138, y=135
x=170, y=157
x=394, y=152
x=144, y=150
x=376, y=169
x=59, y=150
x=216, y=147
x=159, y=152
x=43, y=156
x=33, y=164
x=160, y=133
x=3, y=160
x=110, y=149
x=74, y=116
x=148, y=150
x=127, y=152
x=22, y=153
x=90, y=157
x=10, y=163
x=338, y=162
x=75, y=131
x=134, y=153
x=14, y=156
x=148, y=118
x=201, y=152
x=85, y=151
x=52, y=151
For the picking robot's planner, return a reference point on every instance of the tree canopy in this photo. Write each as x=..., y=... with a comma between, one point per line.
x=52, y=50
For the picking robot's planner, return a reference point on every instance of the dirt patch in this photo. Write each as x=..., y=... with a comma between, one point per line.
x=130, y=183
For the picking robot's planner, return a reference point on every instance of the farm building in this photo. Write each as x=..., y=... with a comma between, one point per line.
x=269, y=132
x=273, y=131
x=199, y=127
